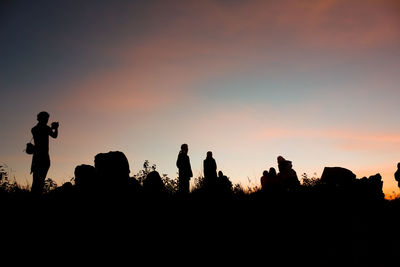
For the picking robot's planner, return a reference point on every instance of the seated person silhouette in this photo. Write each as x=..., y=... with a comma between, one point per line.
x=272, y=172
x=224, y=185
x=265, y=180
x=153, y=183
x=270, y=182
x=41, y=159
x=287, y=175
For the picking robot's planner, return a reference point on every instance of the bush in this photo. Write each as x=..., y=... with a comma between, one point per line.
x=171, y=185
x=310, y=182
x=49, y=185
x=7, y=185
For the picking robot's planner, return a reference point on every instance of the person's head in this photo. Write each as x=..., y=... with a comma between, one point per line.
x=272, y=171
x=209, y=154
x=43, y=117
x=184, y=148
x=265, y=173
x=280, y=159
x=220, y=174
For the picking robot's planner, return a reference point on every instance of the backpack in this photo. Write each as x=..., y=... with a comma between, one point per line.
x=30, y=148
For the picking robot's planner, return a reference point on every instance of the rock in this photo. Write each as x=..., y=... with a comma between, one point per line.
x=112, y=167
x=85, y=177
x=337, y=177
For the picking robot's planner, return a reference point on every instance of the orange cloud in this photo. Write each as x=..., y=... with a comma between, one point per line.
x=116, y=91
x=324, y=23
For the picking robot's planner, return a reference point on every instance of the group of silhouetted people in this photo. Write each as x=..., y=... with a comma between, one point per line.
x=271, y=181
x=212, y=182
x=285, y=180
x=85, y=174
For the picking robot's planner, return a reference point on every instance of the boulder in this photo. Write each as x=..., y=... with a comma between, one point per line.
x=112, y=167
x=338, y=177
x=85, y=176
x=370, y=188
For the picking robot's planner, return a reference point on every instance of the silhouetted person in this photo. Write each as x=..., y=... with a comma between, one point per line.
x=397, y=174
x=41, y=159
x=224, y=185
x=272, y=172
x=287, y=175
x=264, y=180
x=185, y=170
x=276, y=182
x=270, y=182
x=153, y=183
x=210, y=167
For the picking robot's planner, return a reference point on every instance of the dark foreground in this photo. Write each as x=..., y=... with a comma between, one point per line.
x=252, y=229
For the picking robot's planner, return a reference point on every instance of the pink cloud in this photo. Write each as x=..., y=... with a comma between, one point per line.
x=345, y=140
x=209, y=39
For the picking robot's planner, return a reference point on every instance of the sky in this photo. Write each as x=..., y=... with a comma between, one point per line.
x=315, y=81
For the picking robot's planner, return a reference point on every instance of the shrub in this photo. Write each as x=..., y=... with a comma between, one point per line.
x=171, y=185
x=7, y=185
x=310, y=182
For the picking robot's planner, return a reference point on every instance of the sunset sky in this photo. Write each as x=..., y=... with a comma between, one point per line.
x=316, y=81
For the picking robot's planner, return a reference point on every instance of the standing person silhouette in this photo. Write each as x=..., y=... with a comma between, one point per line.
x=210, y=172
x=41, y=159
x=185, y=170
x=210, y=167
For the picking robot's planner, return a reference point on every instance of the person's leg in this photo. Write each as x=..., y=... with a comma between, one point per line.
x=180, y=185
x=43, y=175
x=183, y=185
x=36, y=183
x=39, y=177
x=186, y=185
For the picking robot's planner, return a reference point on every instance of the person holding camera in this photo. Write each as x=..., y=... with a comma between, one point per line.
x=41, y=158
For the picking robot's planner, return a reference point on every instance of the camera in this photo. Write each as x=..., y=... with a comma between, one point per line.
x=54, y=125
